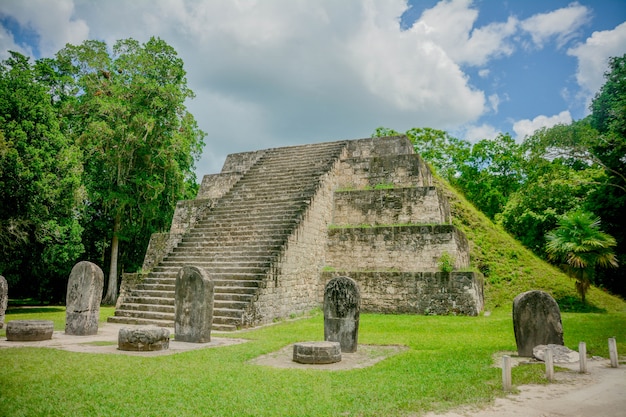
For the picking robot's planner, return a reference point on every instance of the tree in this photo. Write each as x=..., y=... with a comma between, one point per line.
x=580, y=246
x=126, y=110
x=492, y=172
x=40, y=186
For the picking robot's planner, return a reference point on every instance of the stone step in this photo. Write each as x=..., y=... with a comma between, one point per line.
x=220, y=254
x=148, y=300
x=147, y=314
x=199, y=235
x=220, y=325
x=157, y=286
x=149, y=307
x=143, y=293
x=139, y=321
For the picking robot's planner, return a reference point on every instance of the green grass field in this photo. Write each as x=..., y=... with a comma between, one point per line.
x=448, y=363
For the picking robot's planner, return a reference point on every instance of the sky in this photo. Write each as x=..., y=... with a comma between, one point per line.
x=270, y=73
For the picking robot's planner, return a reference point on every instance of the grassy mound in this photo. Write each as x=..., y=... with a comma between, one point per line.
x=510, y=268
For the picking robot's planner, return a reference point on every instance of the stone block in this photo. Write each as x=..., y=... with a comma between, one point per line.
x=536, y=321
x=143, y=339
x=84, y=294
x=29, y=330
x=561, y=354
x=4, y=299
x=342, y=304
x=193, y=305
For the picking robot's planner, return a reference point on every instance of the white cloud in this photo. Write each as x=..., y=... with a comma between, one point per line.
x=277, y=73
x=54, y=21
x=562, y=24
x=494, y=101
x=526, y=127
x=475, y=133
x=450, y=24
x=593, y=57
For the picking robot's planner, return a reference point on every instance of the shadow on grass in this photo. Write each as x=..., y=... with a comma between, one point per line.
x=570, y=304
x=33, y=310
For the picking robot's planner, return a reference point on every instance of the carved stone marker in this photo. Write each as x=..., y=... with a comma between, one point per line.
x=29, y=330
x=143, y=339
x=536, y=321
x=194, y=305
x=342, y=304
x=4, y=299
x=84, y=294
x=317, y=353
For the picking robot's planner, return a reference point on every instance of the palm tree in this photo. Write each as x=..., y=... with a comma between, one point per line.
x=580, y=246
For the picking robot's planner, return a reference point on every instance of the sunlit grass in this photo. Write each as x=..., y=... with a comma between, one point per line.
x=448, y=363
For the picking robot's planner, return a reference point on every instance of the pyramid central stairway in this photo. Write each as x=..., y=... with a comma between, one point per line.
x=275, y=225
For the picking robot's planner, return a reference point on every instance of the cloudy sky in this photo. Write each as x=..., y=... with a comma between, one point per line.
x=281, y=72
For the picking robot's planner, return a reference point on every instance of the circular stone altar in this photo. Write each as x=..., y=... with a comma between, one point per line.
x=143, y=339
x=29, y=330
x=317, y=352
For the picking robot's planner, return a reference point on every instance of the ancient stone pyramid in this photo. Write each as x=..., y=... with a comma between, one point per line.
x=275, y=225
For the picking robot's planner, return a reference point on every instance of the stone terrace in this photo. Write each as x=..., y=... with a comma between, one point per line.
x=262, y=230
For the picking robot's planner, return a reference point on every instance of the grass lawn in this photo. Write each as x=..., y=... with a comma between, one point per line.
x=448, y=364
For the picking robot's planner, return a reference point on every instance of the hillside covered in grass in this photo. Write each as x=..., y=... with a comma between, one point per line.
x=510, y=269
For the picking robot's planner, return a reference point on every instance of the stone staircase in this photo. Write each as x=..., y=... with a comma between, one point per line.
x=239, y=240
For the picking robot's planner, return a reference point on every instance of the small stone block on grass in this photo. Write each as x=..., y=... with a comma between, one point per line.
x=317, y=352
x=143, y=339
x=29, y=330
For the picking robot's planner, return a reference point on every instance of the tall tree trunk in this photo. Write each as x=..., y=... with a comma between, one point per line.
x=111, y=296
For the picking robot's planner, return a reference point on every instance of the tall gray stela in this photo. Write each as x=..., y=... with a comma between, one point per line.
x=342, y=304
x=536, y=321
x=4, y=299
x=84, y=294
x=194, y=305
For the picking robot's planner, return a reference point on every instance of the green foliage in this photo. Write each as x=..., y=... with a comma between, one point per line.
x=580, y=245
x=446, y=262
x=510, y=268
x=40, y=186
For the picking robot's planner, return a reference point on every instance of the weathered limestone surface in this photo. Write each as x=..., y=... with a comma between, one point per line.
x=536, y=321
x=342, y=305
x=143, y=339
x=29, y=330
x=429, y=293
x=194, y=305
x=4, y=299
x=415, y=205
x=560, y=354
x=84, y=294
x=403, y=248
x=317, y=352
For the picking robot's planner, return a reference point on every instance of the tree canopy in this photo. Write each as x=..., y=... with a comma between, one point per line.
x=96, y=148
x=40, y=185
x=126, y=110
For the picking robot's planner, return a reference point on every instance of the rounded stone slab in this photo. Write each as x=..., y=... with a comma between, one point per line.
x=143, y=339
x=561, y=354
x=29, y=330
x=317, y=352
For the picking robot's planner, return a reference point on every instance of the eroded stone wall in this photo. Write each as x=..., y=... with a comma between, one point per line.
x=391, y=206
x=401, y=248
x=435, y=293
